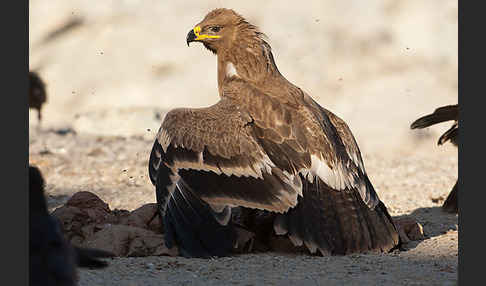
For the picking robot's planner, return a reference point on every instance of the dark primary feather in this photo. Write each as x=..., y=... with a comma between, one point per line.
x=452, y=135
x=441, y=114
x=198, y=233
x=52, y=259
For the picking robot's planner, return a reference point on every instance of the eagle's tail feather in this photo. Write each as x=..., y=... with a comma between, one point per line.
x=338, y=222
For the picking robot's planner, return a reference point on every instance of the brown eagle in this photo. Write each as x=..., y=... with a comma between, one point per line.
x=442, y=114
x=37, y=93
x=266, y=145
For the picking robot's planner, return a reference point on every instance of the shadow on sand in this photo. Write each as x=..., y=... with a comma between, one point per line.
x=435, y=222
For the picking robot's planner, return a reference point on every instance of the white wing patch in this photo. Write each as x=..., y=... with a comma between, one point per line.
x=164, y=139
x=337, y=178
x=255, y=170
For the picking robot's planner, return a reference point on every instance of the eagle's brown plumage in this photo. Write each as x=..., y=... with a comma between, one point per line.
x=442, y=114
x=265, y=145
x=37, y=93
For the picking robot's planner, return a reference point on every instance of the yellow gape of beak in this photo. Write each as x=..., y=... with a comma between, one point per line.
x=197, y=30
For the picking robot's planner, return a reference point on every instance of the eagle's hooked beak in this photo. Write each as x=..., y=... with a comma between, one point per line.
x=191, y=37
x=194, y=35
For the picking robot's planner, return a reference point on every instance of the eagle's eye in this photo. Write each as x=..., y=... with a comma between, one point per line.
x=215, y=29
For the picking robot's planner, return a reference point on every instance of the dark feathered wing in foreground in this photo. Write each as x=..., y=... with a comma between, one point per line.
x=52, y=259
x=37, y=93
x=443, y=114
x=265, y=145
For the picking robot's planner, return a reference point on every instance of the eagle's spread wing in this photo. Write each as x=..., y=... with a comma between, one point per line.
x=264, y=154
x=339, y=211
x=345, y=153
x=252, y=156
x=210, y=155
x=215, y=151
x=305, y=139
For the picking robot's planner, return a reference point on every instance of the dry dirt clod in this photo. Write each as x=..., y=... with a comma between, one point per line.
x=409, y=229
x=89, y=222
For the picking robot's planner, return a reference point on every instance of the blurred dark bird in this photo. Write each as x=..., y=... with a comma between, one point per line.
x=265, y=145
x=442, y=114
x=53, y=260
x=37, y=93
x=64, y=28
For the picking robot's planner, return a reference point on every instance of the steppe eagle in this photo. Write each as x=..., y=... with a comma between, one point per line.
x=267, y=145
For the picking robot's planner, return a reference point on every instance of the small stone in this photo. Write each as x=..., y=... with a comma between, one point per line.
x=409, y=229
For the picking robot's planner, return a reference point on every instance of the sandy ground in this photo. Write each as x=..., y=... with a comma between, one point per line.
x=379, y=65
x=115, y=168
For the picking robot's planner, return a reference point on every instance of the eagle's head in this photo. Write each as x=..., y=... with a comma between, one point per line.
x=218, y=29
x=239, y=44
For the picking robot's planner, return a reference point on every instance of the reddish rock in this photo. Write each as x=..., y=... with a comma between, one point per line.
x=87, y=200
x=409, y=229
x=88, y=222
x=79, y=215
x=144, y=217
x=124, y=240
